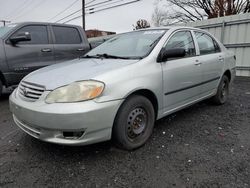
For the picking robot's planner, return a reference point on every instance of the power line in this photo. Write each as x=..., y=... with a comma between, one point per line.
x=117, y=1
x=69, y=15
x=90, y=2
x=95, y=11
x=35, y=6
x=19, y=9
x=79, y=10
x=91, y=9
x=103, y=2
x=68, y=7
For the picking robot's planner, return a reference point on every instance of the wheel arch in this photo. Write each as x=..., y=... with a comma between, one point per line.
x=2, y=79
x=149, y=95
x=228, y=74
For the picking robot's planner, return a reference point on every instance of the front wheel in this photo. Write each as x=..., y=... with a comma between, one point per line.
x=134, y=123
x=222, y=91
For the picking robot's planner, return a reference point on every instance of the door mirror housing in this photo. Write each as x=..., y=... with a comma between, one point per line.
x=20, y=37
x=171, y=53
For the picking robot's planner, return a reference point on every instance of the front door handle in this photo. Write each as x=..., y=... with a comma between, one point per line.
x=221, y=59
x=46, y=50
x=80, y=50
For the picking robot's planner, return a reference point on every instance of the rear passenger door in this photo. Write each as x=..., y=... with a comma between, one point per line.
x=27, y=56
x=212, y=61
x=68, y=43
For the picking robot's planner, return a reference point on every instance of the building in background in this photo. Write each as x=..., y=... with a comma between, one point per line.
x=97, y=33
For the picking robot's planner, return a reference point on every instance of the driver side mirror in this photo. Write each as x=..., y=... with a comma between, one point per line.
x=165, y=54
x=20, y=37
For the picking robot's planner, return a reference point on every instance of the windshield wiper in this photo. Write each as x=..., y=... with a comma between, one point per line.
x=107, y=56
x=89, y=56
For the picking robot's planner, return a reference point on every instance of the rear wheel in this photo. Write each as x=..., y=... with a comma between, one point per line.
x=222, y=91
x=134, y=123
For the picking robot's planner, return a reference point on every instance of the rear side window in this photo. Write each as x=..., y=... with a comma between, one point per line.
x=207, y=44
x=182, y=39
x=38, y=33
x=66, y=35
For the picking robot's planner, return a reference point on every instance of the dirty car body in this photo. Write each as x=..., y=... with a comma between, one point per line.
x=84, y=101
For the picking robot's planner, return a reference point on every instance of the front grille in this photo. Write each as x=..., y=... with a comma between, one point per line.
x=29, y=91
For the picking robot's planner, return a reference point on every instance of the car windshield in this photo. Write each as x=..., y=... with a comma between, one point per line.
x=5, y=29
x=133, y=45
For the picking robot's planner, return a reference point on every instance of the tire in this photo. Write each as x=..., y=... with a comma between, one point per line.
x=134, y=123
x=222, y=91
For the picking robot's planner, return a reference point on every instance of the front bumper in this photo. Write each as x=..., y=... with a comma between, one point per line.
x=50, y=122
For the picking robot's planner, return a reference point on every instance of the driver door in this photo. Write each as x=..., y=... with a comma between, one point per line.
x=181, y=76
x=27, y=56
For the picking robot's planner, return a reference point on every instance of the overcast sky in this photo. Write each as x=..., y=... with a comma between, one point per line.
x=119, y=19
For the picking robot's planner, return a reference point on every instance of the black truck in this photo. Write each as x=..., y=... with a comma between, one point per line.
x=25, y=47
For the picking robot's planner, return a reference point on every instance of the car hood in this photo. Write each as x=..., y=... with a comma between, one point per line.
x=61, y=74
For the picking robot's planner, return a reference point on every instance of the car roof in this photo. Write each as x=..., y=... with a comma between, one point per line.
x=45, y=23
x=172, y=27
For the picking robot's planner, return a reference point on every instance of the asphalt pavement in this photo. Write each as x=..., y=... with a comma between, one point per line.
x=201, y=146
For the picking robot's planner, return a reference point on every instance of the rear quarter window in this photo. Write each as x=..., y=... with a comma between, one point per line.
x=66, y=35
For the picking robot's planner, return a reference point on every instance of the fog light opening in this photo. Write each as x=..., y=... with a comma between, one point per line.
x=73, y=135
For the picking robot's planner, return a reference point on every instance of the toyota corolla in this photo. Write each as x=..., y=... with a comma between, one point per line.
x=119, y=89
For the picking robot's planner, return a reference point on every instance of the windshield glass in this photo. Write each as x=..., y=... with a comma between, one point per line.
x=133, y=45
x=5, y=29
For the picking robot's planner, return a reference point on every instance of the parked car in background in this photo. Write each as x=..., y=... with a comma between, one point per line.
x=96, y=41
x=118, y=89
x=28, y=46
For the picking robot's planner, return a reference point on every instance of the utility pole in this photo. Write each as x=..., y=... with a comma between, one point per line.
x=83, y=14
x=4, y=22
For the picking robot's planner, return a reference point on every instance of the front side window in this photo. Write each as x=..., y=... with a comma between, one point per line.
x=66, y=35
x=182, y=39
x=38, y=33
x=132, y=45
x=207, y=45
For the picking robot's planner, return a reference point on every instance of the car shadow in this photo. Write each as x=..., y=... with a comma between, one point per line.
x=109, y=147
x=4, y=97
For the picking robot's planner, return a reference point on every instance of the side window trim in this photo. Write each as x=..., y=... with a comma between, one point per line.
x=7, y=41
x=181, y=30
x=215, y=43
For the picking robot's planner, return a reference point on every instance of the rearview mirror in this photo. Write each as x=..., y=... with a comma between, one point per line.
x=171, y=53
x=20, y=37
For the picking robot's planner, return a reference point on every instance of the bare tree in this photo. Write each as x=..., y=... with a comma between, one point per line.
x=160, y=17
x=192, y=10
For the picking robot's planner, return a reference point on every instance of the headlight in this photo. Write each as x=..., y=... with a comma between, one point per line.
x=75, y=92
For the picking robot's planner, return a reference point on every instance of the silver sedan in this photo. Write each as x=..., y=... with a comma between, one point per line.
x=119, y=89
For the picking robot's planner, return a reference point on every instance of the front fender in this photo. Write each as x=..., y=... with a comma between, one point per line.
x=127, y=80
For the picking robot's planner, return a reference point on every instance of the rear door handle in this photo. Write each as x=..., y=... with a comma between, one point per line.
x=46, y=50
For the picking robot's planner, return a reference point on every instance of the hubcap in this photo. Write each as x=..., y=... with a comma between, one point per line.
x=136, y=122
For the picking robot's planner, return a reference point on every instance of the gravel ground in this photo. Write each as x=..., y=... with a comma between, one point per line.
x=202, y=146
